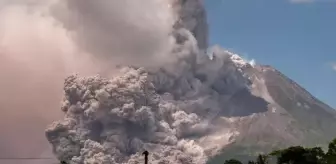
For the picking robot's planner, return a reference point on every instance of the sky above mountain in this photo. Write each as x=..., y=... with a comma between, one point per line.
x=297, y=37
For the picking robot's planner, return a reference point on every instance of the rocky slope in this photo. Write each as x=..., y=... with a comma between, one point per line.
x=276, y=112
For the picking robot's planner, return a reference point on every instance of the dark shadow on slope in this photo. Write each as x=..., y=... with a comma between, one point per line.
x=243, y=103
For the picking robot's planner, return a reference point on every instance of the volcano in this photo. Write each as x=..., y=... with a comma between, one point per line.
x=205, y=105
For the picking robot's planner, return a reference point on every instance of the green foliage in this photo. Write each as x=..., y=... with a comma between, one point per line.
x=297, y=155
x=232, y=161
x=330, y=157
x=262, y=159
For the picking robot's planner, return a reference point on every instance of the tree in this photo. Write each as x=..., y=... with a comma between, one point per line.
x=262, y=159
x=315, y=155
x=251, y=162
x=331, y=154
x=300, y=155
x=232, y=161
x=297, y=155
x=292, y=155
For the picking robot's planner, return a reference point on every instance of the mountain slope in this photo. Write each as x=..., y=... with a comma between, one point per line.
x=288, y=115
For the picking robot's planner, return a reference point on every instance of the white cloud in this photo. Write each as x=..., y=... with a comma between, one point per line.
x=333, y=66
x=248, y=60
x=252, y=62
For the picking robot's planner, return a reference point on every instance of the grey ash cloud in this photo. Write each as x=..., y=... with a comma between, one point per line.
x=166, y=109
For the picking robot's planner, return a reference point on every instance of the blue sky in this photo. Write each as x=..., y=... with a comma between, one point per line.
x=297, y=37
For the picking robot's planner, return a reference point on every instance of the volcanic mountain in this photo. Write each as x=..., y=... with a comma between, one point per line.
x=204, y=105
x=271, y=112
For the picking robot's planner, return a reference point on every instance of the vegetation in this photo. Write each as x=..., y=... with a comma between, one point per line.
x=232, y=161
x=291, y=155
x=296, y=155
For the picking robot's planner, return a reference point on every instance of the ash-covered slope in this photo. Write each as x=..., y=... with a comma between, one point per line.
x=188, y=110
x=285, y=115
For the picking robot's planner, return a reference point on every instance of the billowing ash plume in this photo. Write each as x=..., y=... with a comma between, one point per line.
x=130, y=32
x=173, y=111
x=113, y=119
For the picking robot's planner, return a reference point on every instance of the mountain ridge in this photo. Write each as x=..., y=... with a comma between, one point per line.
x=299, y=136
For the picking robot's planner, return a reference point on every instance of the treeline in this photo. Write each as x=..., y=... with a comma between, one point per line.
x=296, y=155
x=291, y=155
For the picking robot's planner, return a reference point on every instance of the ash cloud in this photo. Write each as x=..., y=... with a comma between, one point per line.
x=172, y=110
x=122, y=32
x=27, y=85
x=130, y=32
x=38, y=50
x=171, y=114
x=130, y=118
x=169, y=88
